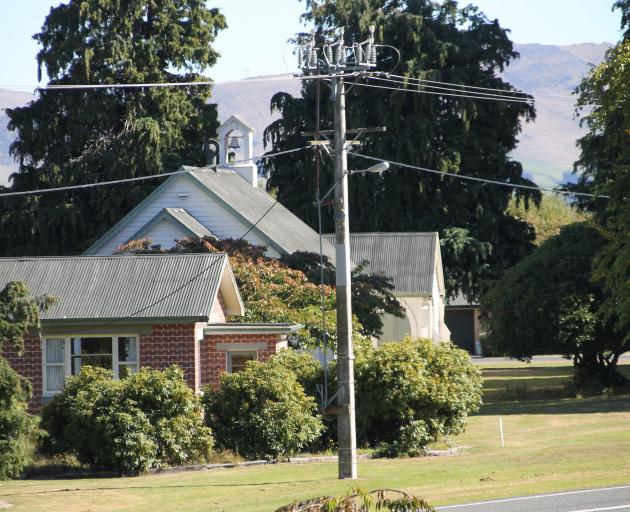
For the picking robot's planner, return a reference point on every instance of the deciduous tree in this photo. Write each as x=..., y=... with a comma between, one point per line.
x=549, y=304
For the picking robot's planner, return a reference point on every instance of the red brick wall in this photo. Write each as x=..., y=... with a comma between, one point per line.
x=167, y=344
x=214, y=362
x=28, y=365
x=170, y=344
x=218, y=313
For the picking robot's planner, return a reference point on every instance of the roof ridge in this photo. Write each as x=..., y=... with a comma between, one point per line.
x=114, y=256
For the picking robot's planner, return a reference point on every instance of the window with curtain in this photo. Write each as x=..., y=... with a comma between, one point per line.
x=116, y=353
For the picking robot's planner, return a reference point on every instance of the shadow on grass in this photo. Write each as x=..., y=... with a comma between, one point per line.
x=590, y=405
x=154, y=487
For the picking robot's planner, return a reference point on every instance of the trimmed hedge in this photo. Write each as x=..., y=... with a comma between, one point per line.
x=150, y=419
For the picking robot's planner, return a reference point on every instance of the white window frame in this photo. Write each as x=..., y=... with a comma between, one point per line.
x=229, y=353
x=67, y=362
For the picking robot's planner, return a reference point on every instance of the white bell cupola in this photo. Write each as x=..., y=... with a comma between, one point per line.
x=237, y=149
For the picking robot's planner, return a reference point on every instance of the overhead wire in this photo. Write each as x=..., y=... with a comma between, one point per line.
x=477, y=179
x=193, y=278
x=470, y=96
x=475, y=87
x=138, y=178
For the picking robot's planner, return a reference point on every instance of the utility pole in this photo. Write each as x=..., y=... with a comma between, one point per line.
x=345, y=355
x=358, y=57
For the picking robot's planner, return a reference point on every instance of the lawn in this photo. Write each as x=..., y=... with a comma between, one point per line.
x=551, y=445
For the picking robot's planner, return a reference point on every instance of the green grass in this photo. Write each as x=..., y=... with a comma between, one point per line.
x=551, y=445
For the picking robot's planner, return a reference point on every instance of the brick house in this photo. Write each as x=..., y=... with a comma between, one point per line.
x=127, y=312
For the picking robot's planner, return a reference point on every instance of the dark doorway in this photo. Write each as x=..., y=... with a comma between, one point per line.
x=461, y=323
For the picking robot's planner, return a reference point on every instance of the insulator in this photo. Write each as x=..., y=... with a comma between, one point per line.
x=300, y=58
x=329, y=54
x=339, y=54
x=368, y=52
x=360, y=54
x=308, y=56
x=313, y=61
x=373, y=55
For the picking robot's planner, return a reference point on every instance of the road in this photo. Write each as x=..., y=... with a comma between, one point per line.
x=624, y=359
x=590, y=500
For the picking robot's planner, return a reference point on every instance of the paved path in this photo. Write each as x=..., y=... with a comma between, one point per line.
x=625, y=358
x=591, y=500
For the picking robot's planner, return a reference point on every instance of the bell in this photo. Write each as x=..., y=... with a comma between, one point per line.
x=234, y=143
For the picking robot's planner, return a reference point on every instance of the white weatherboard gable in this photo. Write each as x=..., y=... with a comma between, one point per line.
x=180, y=192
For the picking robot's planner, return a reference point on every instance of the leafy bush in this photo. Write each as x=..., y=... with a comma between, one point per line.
x=149, y=419
x=410, y=393
x=18, y=429
x=262, y=412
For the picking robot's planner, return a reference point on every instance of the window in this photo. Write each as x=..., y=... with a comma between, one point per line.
x=54, y=364
x=237, y=360
x=64, y=356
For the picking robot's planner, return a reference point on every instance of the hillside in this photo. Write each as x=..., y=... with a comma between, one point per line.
x=546, y=147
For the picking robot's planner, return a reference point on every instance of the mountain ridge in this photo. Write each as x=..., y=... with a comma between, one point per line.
x=547, y=147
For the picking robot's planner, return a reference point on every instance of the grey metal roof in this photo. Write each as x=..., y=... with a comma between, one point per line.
x=178, y=216
x=461, y=301
x=408, y=259
x=114, y=287
x=284, y=229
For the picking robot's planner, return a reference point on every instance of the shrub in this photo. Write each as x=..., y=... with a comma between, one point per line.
x=18, y=429
x=308, y=371
x=262, y=412
x=150, y=419
x=410, y=393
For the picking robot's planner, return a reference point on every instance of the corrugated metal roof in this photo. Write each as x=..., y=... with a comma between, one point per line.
x=113, y=287
x=408, y=259
x=461, y=301
x=279, y=225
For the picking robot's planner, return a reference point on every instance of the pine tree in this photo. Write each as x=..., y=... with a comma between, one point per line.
x=70, y=137
x=437, y=41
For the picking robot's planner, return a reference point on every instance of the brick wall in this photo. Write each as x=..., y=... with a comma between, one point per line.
x=214, y=361
x=170, y=344
x=167, y=344
x=29, y=365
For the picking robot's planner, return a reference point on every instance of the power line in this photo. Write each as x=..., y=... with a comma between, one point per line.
x=452, y=84
x=187, y=283
x=62, y=87
x=479, y=180
x=476, y=97
x=139, y=178
x=451, y=89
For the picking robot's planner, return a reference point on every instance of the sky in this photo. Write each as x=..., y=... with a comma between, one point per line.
x=255, y=42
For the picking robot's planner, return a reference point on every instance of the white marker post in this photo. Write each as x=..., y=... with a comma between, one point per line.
x=501, y=432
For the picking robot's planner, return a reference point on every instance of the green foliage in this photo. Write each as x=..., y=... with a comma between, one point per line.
x=150, y=419
x=412, y=392
x=548, y=303
x=360, y=500
x=437, y=41
x=271, y=291
x=91, y=135
x=547, y=218
x=603, y=168
x=19, y=312
x=262, y=412
x=18, y=429
x=372, y=294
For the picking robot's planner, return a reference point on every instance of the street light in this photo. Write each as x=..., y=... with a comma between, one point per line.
x=376, y=168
